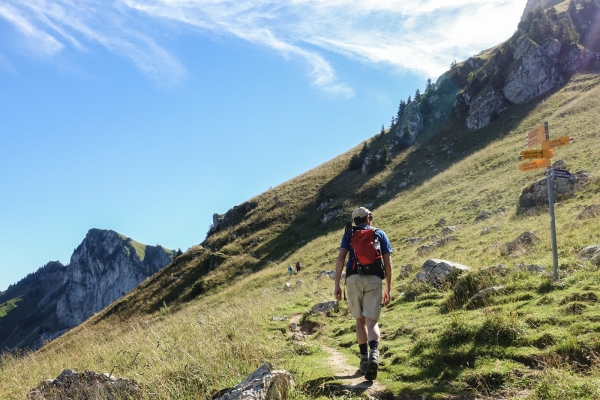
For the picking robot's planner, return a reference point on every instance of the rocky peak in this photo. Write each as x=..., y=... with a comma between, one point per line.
x=104, y=267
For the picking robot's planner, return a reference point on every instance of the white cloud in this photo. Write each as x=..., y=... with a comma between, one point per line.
x=421, y=36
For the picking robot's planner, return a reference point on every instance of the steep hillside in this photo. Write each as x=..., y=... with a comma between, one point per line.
x=217, y=312
x=55, y=298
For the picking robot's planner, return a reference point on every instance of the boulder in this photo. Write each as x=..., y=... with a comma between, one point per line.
x=325, y=307
x=426, y=248
x=85, y=385
x=263, y=384
x=592, y=211
x=406, y=270
x=436, y=272
x=490, y=229
x=591, y=253
x=449, y=229
x=536, y=194
x=482, y=216
x=481, y=298
x=536, y=71
x=483, y=107
x=525, y=241
x=531, y=268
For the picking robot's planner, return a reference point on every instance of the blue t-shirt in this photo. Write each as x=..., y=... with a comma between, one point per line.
x=384, y=242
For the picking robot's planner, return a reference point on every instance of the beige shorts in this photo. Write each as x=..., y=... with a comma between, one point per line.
x=364, y=294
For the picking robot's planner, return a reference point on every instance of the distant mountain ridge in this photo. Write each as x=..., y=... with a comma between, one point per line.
x=103, y=268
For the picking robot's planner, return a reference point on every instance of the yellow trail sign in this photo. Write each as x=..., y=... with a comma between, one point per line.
x=529, y=154
x=558, y=142
x=541, y=163
x=536, y=136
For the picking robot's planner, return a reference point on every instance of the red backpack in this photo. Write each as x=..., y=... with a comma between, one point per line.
x=367, y=251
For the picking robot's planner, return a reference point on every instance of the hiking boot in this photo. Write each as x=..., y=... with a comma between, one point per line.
x=364, y=360
x=372, y=365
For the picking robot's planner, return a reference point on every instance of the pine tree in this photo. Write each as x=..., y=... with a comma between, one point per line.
x=565, y=30
x=418, y=95
x=401, y=108
x=428, y=85
x=408, y=101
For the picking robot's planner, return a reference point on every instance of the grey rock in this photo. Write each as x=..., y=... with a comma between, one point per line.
x=103, y=269
x=410, y=124
x=287, y=286
x=325, y=307
x=326, y=217
x=263, y=384
x=441, y=222
x=406, y=270
x=436, y=272
x=449, y=229
x=591, y=253
x=483, y=107
x=531, y=268
x=481, y=298
x=592, y=211
x=298, y=337
x=525, y=241
x=535, y=73
x=483, y=216
x=327, y=274
x=426, y=248
x=536, y=194
x=490, y=229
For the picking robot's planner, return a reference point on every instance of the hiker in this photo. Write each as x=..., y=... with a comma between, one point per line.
x=368, y=265
x=298, y=267
x=290, y=270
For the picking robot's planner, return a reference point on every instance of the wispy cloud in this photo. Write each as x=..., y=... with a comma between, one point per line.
x=420, y=36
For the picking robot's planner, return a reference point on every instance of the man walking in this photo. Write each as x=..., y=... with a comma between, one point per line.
x=368, y=265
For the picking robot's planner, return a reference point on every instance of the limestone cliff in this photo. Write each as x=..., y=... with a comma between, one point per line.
x=104, y=267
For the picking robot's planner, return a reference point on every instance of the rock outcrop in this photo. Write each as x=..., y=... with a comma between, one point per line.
x=484, y=107
x=410, y=124
x=536, y=73
x=102, y=269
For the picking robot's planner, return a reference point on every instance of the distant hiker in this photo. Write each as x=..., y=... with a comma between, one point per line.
x=290, y=270
x=369, y=264
x=298, y=267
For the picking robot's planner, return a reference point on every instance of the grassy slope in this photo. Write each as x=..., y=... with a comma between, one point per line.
x=181, y=331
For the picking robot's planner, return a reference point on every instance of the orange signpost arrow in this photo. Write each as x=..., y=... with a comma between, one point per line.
x=531, y=154
x=558, y=142
x=541, y=163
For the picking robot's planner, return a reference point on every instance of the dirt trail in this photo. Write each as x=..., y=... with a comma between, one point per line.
x=348, y=376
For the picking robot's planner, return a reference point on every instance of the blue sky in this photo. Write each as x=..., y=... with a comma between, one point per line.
x=146, y=117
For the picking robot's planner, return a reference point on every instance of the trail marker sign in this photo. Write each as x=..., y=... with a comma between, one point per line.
x=531, y=154
x=558, y=142
x=536, y=136
x=562, y=173
x=541, y=163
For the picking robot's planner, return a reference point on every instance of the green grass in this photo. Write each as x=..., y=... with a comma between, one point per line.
x=9, y=305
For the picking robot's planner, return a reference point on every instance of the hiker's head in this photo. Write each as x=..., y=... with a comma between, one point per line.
x=362, y=216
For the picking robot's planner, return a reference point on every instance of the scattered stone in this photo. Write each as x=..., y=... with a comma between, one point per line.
x=293, y=326
x=591, y=253
x=406, y=270
x=490, y=229
x=287, y=286
x=483, y=216
x=441, y=223
x=327, y=274
x=525, y=241
x=325, y=307
x=298, y=283
x=426, y=248
x=531, y=268
x=412, y=240
x=326, y=217
x=263, y=384
x=449, y=229
x=499, y=269
x=278, y=318
x=85, y=385
x=592, y=211
x=298, y=337
x=436, y=272
x=480, y=299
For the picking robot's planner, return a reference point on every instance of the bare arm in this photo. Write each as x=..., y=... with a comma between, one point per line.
x=387, y=264
x=339, y=267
